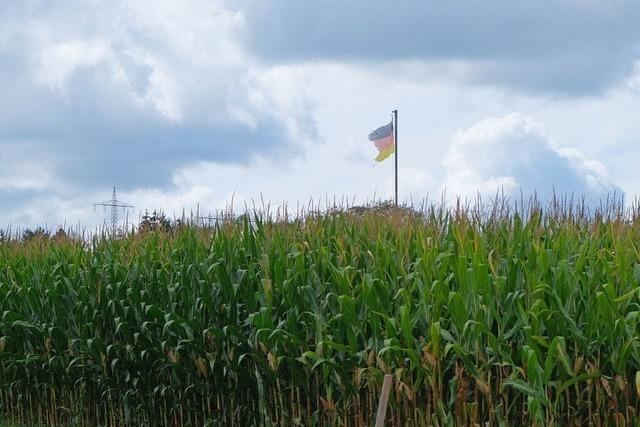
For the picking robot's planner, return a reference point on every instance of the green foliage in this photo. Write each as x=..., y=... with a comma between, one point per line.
x=38, y=234
x=10, y=424
x=157, y=221
x=523, y=318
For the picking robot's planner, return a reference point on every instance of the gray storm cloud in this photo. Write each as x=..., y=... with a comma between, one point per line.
x=561, y=46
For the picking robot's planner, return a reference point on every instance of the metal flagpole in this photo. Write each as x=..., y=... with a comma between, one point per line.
x=395, y=141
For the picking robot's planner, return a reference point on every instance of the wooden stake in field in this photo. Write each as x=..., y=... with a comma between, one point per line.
x=384, y=398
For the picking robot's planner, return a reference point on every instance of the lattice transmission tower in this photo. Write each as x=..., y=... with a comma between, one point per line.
x=115, y=205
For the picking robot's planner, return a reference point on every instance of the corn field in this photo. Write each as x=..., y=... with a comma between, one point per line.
x=506, y=317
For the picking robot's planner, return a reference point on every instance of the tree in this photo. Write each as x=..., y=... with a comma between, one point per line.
x=156, y=221
x=60, y=235
x=39, y=233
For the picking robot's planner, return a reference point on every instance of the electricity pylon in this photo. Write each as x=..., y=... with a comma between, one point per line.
x=114, y=204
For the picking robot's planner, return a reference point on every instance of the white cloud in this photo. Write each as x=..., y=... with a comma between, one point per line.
x=188, y=51
x=513, y=153
x=58, y=61
x=284, y=93
x=24, y=168
x=634, y=81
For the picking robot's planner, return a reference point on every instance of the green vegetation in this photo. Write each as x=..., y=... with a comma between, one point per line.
x=522, y=318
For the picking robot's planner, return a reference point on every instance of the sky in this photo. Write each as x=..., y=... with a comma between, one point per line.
x=206, y=104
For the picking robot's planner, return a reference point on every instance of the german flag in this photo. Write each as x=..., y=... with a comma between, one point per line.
x=383, y=139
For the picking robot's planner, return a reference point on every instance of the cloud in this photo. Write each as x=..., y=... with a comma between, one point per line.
x=23, y=168
x=126, y=94
x=188, y=103
x=564, y=46
x=513, y=154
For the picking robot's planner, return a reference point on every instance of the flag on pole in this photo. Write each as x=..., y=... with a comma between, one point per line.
x=383, y=139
